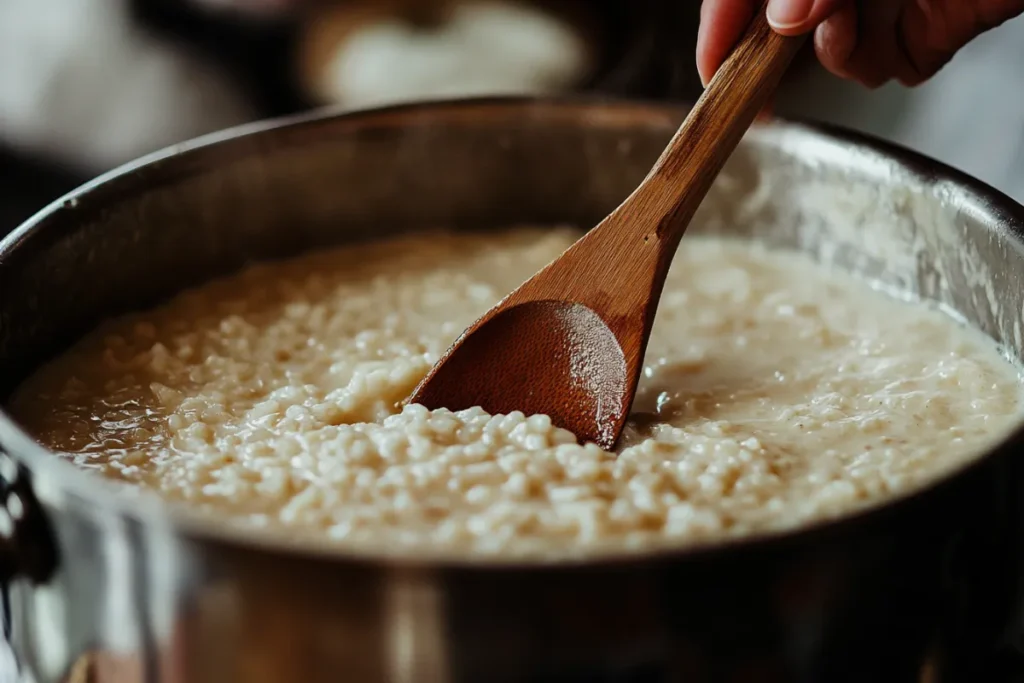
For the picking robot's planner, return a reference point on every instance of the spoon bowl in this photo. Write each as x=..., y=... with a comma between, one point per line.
x=572, y=352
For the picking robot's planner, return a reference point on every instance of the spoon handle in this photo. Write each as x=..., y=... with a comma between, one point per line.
x=739, y=90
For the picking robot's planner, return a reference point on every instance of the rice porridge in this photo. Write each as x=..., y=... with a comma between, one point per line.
x=774, y=394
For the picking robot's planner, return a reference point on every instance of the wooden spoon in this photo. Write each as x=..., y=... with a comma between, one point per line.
x=570, y=341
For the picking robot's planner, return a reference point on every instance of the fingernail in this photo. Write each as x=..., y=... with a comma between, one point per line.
x=789, y=13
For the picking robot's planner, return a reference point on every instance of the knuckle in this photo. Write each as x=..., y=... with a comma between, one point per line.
x=912, y=80
x=872, y=81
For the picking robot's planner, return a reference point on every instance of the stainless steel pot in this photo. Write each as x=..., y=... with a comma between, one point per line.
x=104, y=587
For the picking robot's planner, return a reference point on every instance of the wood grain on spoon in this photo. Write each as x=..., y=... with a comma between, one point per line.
x=570, y=342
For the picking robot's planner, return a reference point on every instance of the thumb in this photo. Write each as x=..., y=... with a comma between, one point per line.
x=794, y=17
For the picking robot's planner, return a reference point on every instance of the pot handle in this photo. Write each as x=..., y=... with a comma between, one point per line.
x=26, y=540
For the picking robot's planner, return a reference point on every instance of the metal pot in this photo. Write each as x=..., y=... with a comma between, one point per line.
x=106, y=587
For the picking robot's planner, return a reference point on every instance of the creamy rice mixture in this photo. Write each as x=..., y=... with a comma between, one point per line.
x=774, y=394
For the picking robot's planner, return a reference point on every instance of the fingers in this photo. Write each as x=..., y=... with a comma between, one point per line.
x=722, y=22
x=996, y=12
x=871, y=41
x=794, y=17
x=926, y=38
x=877, y=53
x=836, y=39
x=874, y=41
x=931, y=33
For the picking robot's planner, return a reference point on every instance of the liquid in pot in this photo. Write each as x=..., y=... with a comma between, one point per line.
x=774, y=394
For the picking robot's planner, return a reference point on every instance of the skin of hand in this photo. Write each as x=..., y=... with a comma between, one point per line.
x=869, y=41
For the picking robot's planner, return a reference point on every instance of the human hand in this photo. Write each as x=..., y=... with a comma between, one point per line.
x=870, y=41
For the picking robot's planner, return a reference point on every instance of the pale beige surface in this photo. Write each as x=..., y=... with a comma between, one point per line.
x=774, y=394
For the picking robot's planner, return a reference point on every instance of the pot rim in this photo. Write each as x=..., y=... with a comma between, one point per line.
x=870, y=154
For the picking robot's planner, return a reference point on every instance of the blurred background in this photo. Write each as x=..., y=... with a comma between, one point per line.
x=88, y=84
